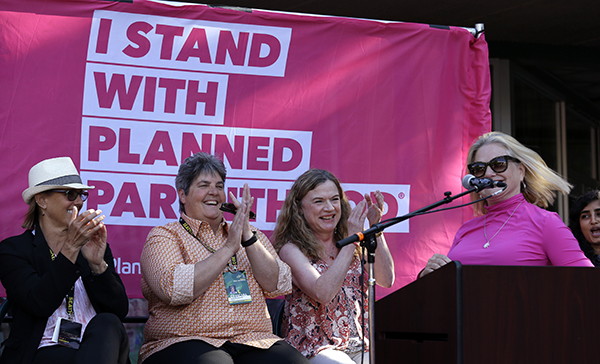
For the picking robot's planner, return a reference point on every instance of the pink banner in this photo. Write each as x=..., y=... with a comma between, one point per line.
x=128, y=90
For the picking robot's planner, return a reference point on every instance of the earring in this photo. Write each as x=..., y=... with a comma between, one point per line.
x=524, y=185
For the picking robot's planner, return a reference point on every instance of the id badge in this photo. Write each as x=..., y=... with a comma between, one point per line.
x=236, y=286
x=67, y=333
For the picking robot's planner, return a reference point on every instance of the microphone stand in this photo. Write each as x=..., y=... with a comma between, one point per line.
x=367, y=239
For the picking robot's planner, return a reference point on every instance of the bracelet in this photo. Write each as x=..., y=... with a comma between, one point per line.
x=250, y=241
x=379, y=234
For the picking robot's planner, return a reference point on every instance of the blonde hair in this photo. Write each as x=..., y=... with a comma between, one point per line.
x=540, y=182
x=293, y=228
x=31, y=216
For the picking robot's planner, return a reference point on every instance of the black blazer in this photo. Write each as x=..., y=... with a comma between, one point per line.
x=36, y=286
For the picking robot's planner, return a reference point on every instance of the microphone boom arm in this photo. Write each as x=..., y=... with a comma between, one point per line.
x=368, y=240
x=379, y=227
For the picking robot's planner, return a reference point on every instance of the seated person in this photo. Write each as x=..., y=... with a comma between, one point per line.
x=514, y=228
x=62, y=257
x=323, y=316
x=187, y=268
x=584, y=217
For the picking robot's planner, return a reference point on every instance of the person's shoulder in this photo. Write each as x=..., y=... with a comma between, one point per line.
x=16, y=241
x=26, y=235
x=164, y=230
x=290, y=251
x=535, y=210
x=289, y=246
x=475, y=221
x=168, y=226
x=544, y=218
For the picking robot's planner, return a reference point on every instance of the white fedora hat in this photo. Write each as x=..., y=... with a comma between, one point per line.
x=53, y=173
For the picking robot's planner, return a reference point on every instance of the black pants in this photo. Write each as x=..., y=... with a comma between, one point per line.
x=104, y=341
x=199, y=352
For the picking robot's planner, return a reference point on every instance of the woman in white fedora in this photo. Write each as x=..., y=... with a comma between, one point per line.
x=66, y=298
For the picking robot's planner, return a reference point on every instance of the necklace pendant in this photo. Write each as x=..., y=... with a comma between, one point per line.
x=486, y=245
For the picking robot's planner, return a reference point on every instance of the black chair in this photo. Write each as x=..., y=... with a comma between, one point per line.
x=275, y=307
x=4, y=310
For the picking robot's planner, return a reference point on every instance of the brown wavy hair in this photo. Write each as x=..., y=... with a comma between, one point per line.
x=291, y=225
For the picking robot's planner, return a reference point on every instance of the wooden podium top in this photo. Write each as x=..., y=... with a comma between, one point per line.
x=492, y=314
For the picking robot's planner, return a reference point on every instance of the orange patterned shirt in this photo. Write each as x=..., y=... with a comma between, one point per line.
x=167, y=262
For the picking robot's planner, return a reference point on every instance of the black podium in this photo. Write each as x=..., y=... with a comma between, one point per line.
x=492, y=314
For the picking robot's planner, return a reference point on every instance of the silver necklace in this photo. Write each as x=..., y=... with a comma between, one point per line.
x=487, y=244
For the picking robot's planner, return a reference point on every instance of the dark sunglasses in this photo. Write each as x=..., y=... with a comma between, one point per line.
x=72, y=194
x=498, y=165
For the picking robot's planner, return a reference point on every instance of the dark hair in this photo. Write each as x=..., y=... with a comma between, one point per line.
x=292, y=226
x=195, y=165
x=575, y=213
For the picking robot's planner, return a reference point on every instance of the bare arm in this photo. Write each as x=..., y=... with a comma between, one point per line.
x=384, y=263
x=264, y=266
x=320, y=287
x=166, y=272
x=209, y=269
x=324, y=287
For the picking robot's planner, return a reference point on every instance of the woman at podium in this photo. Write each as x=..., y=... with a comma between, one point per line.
x=511, y=226
x=323, y=317
x=584, y=218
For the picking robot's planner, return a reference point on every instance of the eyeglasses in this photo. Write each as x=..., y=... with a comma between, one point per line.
x=72, y=194
x=498, y=165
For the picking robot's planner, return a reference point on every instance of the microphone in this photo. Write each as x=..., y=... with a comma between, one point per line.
x=359, y=236
x=469, y=181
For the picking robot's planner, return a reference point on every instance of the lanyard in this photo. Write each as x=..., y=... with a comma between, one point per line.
x=70, y=297
x=232, y=263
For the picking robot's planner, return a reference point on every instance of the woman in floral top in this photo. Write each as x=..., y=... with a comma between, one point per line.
x=322, y=316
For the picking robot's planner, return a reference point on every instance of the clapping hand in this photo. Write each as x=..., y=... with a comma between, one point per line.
x=375, y=210
x=240, y=226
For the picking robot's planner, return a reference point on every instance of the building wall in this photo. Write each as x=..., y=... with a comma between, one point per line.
x=542, y=116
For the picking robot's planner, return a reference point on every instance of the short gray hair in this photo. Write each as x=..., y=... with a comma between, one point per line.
x=195, y=165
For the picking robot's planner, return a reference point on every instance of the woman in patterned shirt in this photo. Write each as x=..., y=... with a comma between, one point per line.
x=323, y=315
x=188, y=267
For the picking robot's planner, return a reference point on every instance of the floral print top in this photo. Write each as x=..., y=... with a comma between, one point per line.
x=310, y=326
